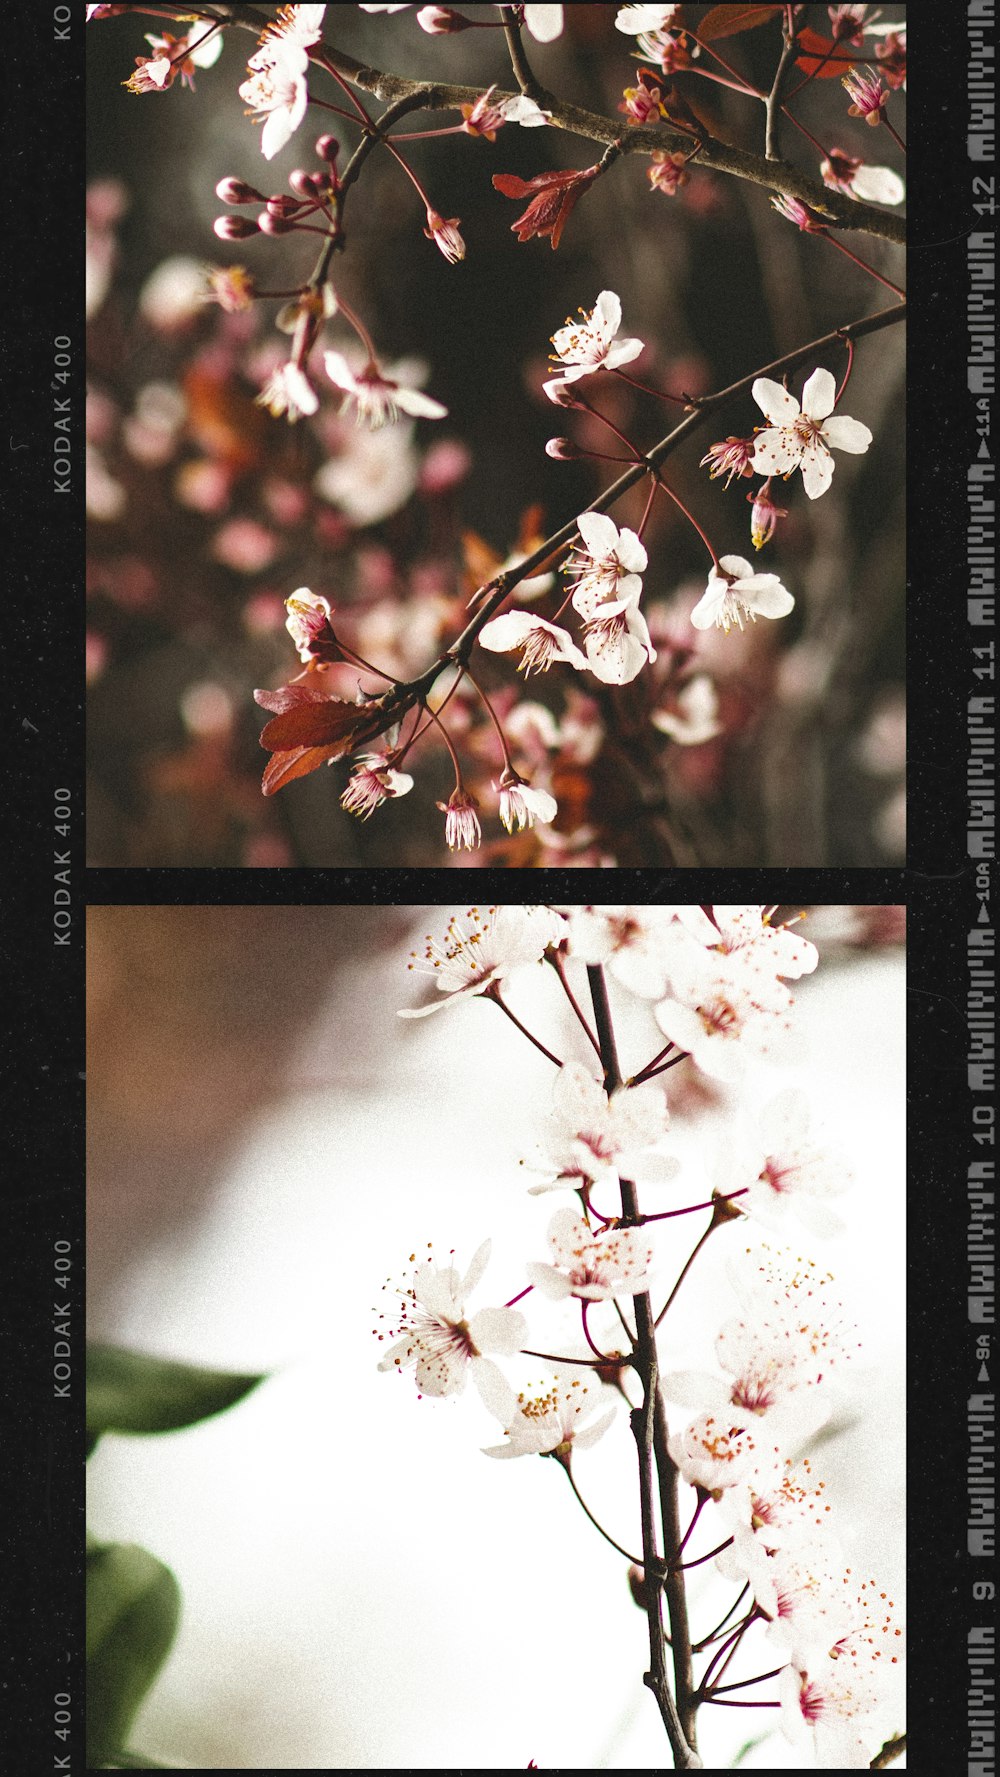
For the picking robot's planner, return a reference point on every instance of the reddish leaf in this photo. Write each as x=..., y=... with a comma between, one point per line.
x=290, y=697
x=283, y=768
x=329, y=723
x=825, y=61
x=725, y=21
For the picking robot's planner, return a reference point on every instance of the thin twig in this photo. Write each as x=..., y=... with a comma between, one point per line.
x=892, y=1749
x=771, y=134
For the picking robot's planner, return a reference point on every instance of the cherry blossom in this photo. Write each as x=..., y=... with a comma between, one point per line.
x=591, y=1266
x=289, y=391
x=735, y=592
x=746, y=933
x=618, y=644
x=462, y=830
x=799, y=1588
x=276, y=90
x=446, y=236
x=482, y=949
x=545, y=23
x=779, y=1504
x=720, y=1015
x=541, y=643
x=694, y=720
x=558, y=1421
x=667, y=171
x=892, y=57
x=607, y=568
x=778, y=1352
x=732, y=456
x=373, y=781
x=800, y=437
x=442, y=1341
x=590, y=344
x=713, y=1451
x=593, y=1138
x=379, y=400
x=873, y=185
x=634, y=943
x=521, y=805
x=869, y=95
x=822, y=1700
x=781, y=1167
x=373, y=474
x=173, y=56
x=308, y=616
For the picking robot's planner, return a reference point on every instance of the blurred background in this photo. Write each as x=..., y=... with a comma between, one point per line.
x=269, y=1143
x=206, y=512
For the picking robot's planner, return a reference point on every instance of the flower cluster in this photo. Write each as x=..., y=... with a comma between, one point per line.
x=716, y=979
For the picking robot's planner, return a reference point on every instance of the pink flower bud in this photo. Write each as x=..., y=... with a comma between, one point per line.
x=328, y=148
x=280, y=205
x=237, y=191
x=440, y=20
x=301, y=183
x=271, y=224
x=563, y=449
x=234, y=228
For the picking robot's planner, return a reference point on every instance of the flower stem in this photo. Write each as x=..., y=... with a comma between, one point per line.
x=493, y=993
x=863, y=263
x=560, y=968
x=589, y=1514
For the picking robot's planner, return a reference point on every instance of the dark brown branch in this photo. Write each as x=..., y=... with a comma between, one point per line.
x=674, y=1586
x=892, y=1749
x=774, y=175
x=644, y=1361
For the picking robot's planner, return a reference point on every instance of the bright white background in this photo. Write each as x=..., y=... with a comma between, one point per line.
x=362, y=1588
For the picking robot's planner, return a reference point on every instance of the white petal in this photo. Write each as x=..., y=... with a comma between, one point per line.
x=546, y=1278
x=819, y=395
x=712, y=599
x=340, y=372
x=771, y=600
x=608, y=312
x=775, y=452
x=207, y=53
x=421, y=406
x=495, y=1391
x=622, y=352
x=695, y=1388
x=480, y=1260
x=817, y=468
x=775, y=402
x=631, y=553
x=582, y=1440
x=616, y=659
x=738, y=565
x=878, y=185
x=847, y=434
x=599, y=532
x=498, y=1329
x=544, y=22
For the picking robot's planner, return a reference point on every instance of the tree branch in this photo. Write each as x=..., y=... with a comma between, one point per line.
x=771, y=137
x=644, y=1361
x=892, y=1749
x=839, y=210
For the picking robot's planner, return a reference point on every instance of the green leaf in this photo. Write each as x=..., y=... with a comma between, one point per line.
x=130, y=1392
x=134, y=1761
x=133, y=1606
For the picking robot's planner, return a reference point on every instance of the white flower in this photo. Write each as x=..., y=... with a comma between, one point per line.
x=618, y=645
x=372, y=782
x=593, y=1137
x=801, y=1589
x=633, y=20
x=635, y=943
x=485, y=949
x=541, y=643
x=288, y=390
x=589, y=344
x=277, y=92
x=592, y=1266
x=718, y=1016
x=781, y=1168
x=695, y=719
x=607, y=567
x=713, y=1452
x=801, y=437
x=824, y=1700
x=780, y=1504
x=778, y=1352
x=735, y=592
x=873, y=185
x=549, y=1424
x=308, y=616
x=442, y=1342
x=745, y=933
x=378, y=398
x=374, y=475
x=544, y=22
x=521, y=805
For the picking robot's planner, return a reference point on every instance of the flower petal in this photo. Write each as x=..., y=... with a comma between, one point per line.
x=819, y=395
x=817, y=468
x=420, y=405
x=775, y=402
x=498, y=1329
x=775, y=452
x=847, y=434
x=608, y=312
x=599, y=532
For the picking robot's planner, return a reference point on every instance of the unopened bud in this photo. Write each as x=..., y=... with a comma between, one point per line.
x=563, y=449
x=282, y=205
x=638, y=1587
x=302, y=182
x=234, y=228
x=440, y=20
x=271, y=224
x=237, y=191
x=328, y=148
